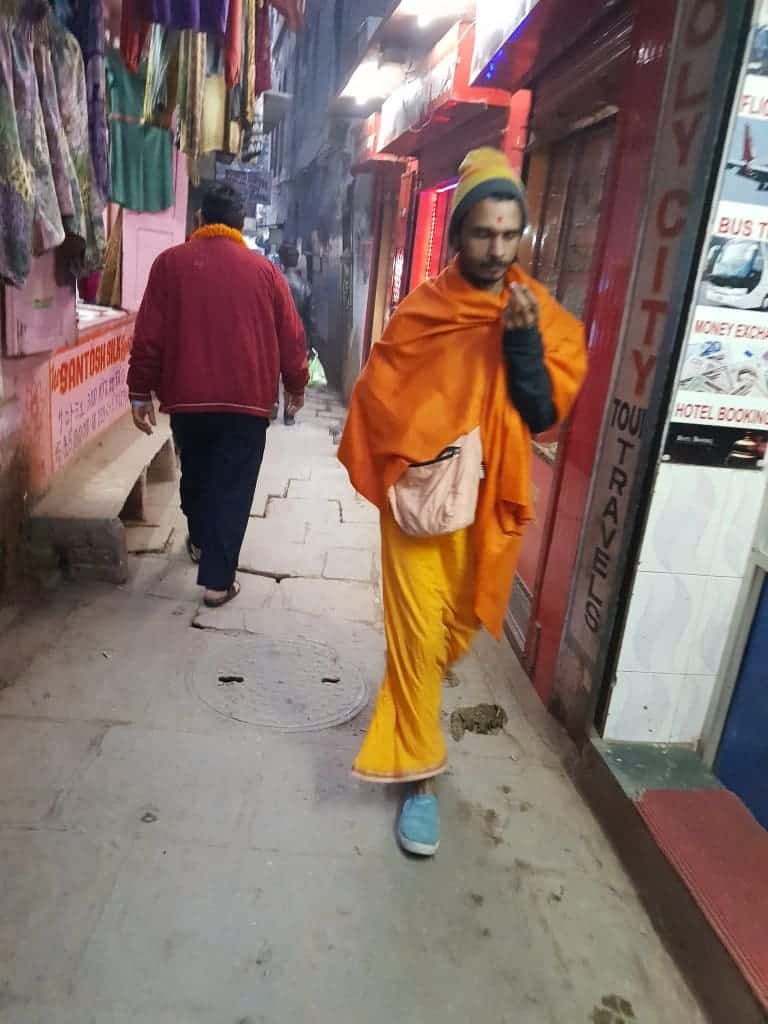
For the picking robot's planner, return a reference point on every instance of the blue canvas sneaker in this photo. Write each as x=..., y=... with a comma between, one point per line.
x=418, y=830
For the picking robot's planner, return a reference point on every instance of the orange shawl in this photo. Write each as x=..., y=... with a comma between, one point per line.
x=437, y=373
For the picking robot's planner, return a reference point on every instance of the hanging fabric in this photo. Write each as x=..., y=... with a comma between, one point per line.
x=30, y=219
x=62, y=166
x=135, y=25
x=293, y=11
x=248, y=76
x=111, y=284
x=87, y=224
x=217, y=131
x=86, y=22
x=140, y=156
x=263, y=71
x=192, y=64
x=162, y=76
x=196, y=15
x=233, y=43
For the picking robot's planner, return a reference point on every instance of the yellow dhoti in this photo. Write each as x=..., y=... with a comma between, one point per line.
x=429, y=620
x=437, y=374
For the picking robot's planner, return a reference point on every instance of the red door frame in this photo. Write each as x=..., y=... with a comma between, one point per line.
x=638, y=116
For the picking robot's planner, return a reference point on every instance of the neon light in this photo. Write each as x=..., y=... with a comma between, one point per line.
x=397, y=277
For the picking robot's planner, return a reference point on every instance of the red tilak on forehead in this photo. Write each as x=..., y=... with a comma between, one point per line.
x=498, y=220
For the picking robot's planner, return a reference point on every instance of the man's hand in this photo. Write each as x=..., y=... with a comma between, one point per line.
x=144, y=416
x=522, y=309
x=293, y=404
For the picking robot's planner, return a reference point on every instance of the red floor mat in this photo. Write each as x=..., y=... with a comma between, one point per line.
x=721, y=852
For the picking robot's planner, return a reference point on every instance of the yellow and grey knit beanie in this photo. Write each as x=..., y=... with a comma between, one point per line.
x=485, y=172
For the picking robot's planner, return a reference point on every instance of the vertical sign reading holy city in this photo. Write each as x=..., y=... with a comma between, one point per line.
x=88, y=389
x=682, y=131
x=719, y=417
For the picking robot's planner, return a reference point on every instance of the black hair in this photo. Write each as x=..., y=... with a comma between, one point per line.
x=223, y=204
x=289, y=255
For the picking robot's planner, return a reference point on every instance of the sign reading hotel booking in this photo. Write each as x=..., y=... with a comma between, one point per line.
x=719, y=416
x=88, y=389
x=685, y=134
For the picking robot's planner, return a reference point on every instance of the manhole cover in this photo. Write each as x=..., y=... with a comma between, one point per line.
x=290, y=685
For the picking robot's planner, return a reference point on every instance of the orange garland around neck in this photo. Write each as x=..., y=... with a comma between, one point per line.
x=219, y=231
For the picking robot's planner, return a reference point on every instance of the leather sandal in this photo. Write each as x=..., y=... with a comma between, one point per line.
x=219, y=602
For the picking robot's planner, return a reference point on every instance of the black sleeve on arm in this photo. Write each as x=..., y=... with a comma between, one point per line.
x=528, y=381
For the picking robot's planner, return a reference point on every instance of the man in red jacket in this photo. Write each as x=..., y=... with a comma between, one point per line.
x=216, y=329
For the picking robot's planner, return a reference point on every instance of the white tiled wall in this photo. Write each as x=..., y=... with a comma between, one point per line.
x=694, y=556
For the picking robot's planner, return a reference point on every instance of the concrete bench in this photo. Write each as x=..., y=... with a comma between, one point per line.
x=80, y=524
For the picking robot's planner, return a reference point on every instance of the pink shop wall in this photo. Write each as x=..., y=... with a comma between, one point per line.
x=50, y=406
x=58, y=401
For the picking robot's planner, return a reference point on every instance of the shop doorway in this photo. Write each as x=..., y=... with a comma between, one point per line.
x=567, y=181
x=146, y=235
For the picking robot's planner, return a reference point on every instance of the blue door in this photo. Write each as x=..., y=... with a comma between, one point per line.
x=742, y=760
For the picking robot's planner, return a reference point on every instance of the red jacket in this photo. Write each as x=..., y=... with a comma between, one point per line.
x=216, y=329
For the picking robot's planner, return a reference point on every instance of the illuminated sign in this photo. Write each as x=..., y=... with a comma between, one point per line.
x=494, y=24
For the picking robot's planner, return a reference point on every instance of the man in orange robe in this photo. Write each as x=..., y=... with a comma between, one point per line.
x=483, y=345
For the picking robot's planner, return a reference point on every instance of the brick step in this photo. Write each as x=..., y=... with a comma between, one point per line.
x=79, y=525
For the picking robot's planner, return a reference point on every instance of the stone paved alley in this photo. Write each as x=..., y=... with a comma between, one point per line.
x=168, y=856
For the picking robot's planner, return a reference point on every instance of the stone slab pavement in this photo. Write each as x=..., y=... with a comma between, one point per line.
x=162, y=861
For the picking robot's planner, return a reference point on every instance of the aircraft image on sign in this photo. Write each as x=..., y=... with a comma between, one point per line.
x=758, y=58
x=749, y=166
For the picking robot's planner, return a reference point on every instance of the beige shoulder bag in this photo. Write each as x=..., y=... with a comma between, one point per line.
x=440, y=496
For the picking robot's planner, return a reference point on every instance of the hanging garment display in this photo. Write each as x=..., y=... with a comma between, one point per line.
x=111, y=284
x=85, y=21
x=30, y=219
x=248, y=74
x=197, y=15
x=140, y=154
x=233, y=43
x=293, y=11
x=162, y=76
x=87, y=222
x=263, y=58
x=62, y=166
x=218, y=132
x=135, y=25
x=192, y=63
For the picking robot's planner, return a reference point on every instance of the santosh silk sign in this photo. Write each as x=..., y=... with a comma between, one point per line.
x=88, y=362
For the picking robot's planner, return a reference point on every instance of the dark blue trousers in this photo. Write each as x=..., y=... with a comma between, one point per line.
x=221, y=455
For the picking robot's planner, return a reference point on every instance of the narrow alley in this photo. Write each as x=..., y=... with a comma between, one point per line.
x=383, y=399
x=182, y=842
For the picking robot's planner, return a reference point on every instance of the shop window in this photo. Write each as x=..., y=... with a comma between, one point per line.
x=570, y=215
